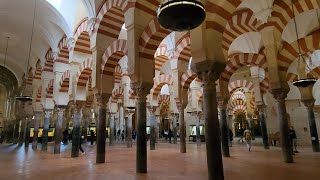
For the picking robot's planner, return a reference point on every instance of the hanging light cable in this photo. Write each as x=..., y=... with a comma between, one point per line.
x=5, y=55
x=29, y=98
x=304, y=82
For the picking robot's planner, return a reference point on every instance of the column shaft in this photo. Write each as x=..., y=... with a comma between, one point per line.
x=224, y=132
x=76, y=135
x=183, y=148
x=101, y=135
x=36, y=130
x=45, y=130
x=141, y=154
x=129, y=130
x=112, y=129
x=313, y=130
x=264, y=131
x=198, y=138
x=27, y=134
x=22, y=131
x=58, y=131
x=152, y=132
x=175, y=129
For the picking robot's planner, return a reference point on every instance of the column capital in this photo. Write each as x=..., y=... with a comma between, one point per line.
x=208, y=71
x=222, y=103
x=78, y=106
x=280, y=94
x=47, y=113
x=309, y=103
x=152, y=110
x=141, y=89
x=102, y=99
x=261, y=108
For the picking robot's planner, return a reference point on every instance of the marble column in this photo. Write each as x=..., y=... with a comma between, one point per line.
x=36, y=129
x=175, y=116
x=16, y=131
x=263, y=125
x=58, y=130
x=183, y=147
x=141, y=151
x=101, y=129
x=198, y=137
x=158, y=126
x=112, y=129
x=76, y=133
x=47, y=115
x=27, y=134
x=129, y=127
x=312, y=124
x=224, y=127
x=153, y=126
x=22, y=131
x=208, y=72
x=85, y=129
x=10, y=131
x=280, y=95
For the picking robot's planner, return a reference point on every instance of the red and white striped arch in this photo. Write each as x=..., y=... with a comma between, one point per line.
x=253, y=103
x=240, y=84
x=199, y=95
x=151, y=38
x=164, y=99
x=38, y=97
x=219, y=12
x=38, y=71
x=48, y=65
x=64, y=82
x=30, y=77
x=82, y=38
x=117, y=74
x=89, y=100
x=63, y=56
x=187, y=78
x=112, y=56
x=242, y=21
x=183, y=49
x=161, y=56
x=264, y=85
x=111, y=18
x=289, y=52
x=239, y=60
x=315, y=73
x=159, y=81
x=49, y=90
x=238, y=95
x=282, y=11
x=117, y=94
x=238, y=105
x=84, y=72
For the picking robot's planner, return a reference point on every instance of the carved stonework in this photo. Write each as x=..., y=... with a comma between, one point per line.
x=280, y=94
x=309, y=103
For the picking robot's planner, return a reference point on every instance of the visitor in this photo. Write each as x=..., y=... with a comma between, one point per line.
x=134, y=134
x=170, y=134
x=230, y=137
x=293, y=140
x=122, y=135
x=65, y=136
x=92, y=135
x=247, y=136
x=118, y=134
x=80, y=145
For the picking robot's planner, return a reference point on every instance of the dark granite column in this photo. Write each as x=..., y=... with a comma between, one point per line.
x=224, y=127
x=10, y=131
x=153, y=127
x=47, y=115
x=198, y=137
x=58, y=130
x=16, y=131
x=101, y=129
x=312, y=124
x=183, y=147
x=157, y=128
x=280, y=95
x=141, y=152
x=22, y=131
x=175, y=116
x=209, y=73
x=129, y=127
x=263, y=126
x=85, y=129
x=76, y=135
x=112, y=129
x=27, y=134
x=36, y=129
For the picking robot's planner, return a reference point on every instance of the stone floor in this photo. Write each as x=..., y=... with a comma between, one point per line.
x=164, y=163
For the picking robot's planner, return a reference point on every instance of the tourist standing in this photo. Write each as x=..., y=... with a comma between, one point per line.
x=293, y=139
x=247, y=136
x=92, y=135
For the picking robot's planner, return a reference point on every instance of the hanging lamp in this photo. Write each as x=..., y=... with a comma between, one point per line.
x=29, y=98
x=302, y=82
x=181, y=15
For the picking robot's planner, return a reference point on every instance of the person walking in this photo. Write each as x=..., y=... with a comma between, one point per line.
x=247, y=136
x=92, y=135
x=80, y=145
x=170, y=134
x=122, y=135
x=293, y=140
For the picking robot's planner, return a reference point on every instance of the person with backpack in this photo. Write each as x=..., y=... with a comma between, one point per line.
x=247, y=136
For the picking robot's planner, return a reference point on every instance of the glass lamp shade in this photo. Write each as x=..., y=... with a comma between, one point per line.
x=24, y=98
x=304, y=82
x=181, y=15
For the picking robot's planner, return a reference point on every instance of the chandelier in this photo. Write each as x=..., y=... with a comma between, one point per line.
x=308, y=81
x=181, y=15
x=28, y=97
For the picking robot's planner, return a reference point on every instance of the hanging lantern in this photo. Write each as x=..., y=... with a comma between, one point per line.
x=181, y=15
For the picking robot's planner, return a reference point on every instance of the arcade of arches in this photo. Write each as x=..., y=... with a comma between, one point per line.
x=106, y=70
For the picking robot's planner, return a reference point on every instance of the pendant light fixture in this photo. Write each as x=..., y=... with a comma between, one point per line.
x=301, y=82
x=181, y=15
x=28, y=97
